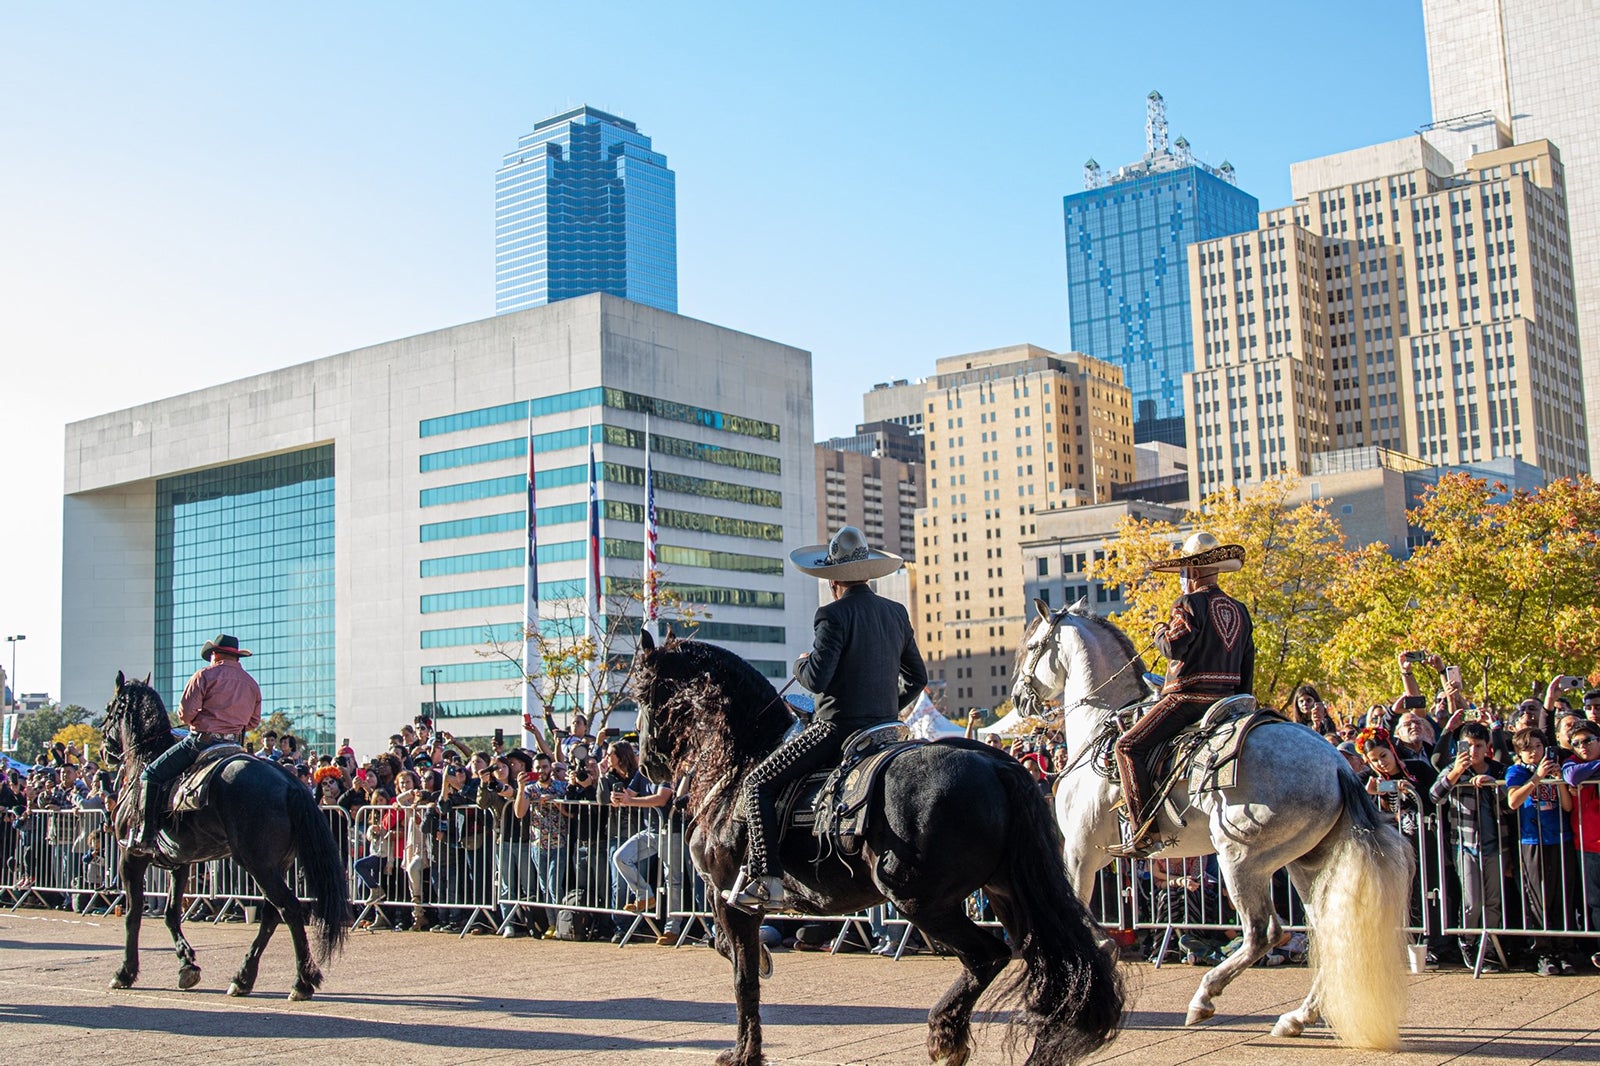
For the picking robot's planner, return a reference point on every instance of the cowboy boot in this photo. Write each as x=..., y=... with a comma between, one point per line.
x=419, y=916
x=155, y=798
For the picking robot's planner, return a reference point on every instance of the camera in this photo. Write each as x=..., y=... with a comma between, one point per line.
x=1567, y=681
x=1413, y=703
x=1413, y=656
x=1388, y=786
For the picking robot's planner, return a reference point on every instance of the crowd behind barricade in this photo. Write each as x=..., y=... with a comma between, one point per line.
x=1502, y=807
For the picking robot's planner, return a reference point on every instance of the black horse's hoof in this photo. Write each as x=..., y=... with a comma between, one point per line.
x=298, y=993
x=188, y=977
x=236, y=989
x=121, y=980
x=736, y=1057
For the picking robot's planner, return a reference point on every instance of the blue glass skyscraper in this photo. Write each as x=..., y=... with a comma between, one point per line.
x=584, y=205
x=1127, y=238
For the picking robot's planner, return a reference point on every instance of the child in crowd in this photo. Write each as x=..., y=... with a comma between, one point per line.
x=1536, y=791
x=1582, y=775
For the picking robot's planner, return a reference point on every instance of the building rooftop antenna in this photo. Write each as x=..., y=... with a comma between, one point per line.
x=1155, y=125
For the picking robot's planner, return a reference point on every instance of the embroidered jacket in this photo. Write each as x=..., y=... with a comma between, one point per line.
x=1209, y=644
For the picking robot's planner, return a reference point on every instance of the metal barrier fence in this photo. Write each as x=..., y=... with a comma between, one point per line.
x=580, y=867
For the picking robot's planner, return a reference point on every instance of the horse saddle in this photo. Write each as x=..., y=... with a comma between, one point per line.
x=1205, y=755
x=189, y=791
x=832, y=804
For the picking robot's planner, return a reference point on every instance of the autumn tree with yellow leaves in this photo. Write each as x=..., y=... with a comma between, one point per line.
x=1506, y=587
x=1293, y=554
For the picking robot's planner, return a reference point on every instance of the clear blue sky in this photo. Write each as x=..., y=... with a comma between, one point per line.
x=190, y=193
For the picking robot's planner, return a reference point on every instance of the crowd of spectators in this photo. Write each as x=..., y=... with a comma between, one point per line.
x=560, y=839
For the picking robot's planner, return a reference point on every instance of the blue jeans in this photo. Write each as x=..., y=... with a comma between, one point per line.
x=629, y=854
x=551, y=864
x=518, y=879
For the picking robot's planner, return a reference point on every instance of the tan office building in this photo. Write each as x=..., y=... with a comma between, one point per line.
x=1009, y=432
x=1534, y=65
x=877, y=495
x=1397, y=303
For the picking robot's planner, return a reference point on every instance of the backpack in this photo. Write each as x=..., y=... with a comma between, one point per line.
x=575, y=924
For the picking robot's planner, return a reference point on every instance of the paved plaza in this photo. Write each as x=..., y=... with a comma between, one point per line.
x=397, y=998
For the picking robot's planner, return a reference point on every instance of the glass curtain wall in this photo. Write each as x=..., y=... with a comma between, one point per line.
x=247, y=549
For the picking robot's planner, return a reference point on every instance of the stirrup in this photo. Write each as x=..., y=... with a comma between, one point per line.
x=754, y=895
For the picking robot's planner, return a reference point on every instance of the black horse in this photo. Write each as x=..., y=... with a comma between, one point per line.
x=256, y=812
x=949, y=819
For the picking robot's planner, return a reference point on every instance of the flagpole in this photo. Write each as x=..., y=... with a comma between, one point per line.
x=531, y=704
x=651, y=562
x=591, y=606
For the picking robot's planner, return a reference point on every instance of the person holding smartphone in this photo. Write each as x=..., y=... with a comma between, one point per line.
x=1402, y=789
x=1542, y=799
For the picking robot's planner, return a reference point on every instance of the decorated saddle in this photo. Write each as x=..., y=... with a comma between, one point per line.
x=189, y=792
x=832, y=804
x=1204, y=756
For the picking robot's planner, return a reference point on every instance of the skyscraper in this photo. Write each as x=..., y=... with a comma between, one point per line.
x=1534, y=65
x=1399, y=303
x=1127, y=279
x=585, y=205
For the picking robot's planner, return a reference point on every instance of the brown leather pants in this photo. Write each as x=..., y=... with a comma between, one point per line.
x=1170, y=716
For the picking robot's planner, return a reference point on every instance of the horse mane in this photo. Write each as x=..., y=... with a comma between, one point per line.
x=1079, y=610
x=709, y=704
x=145, y=714
x=1111, y=629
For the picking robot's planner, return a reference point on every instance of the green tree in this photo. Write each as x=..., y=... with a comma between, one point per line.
x=1506, y=588
x=1293, y=554
x=36, y=730
x=277, y=722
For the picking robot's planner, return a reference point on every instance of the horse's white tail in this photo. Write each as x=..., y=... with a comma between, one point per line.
x=1360, y=901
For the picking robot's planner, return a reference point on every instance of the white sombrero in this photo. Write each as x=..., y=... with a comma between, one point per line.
x=1202, y=551
x=845, y=558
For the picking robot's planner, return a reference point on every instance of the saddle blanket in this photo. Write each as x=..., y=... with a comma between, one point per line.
x=189, y=793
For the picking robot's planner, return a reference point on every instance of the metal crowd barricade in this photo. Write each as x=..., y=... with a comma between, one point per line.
x=1546, y=891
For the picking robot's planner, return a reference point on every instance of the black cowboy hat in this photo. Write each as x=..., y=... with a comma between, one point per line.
x=225, y=644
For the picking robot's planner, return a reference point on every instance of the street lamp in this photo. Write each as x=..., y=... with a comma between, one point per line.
x=433, y=711
x=16, y=693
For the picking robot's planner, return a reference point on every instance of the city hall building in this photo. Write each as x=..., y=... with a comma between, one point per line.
x=359, y=521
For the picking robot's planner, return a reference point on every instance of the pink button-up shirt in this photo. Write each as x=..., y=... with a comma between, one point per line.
x=221, y=698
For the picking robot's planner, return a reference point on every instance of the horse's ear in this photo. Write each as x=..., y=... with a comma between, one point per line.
x=646, y=641
x=1080, y=607
x=120, y=682
x=1042, y=607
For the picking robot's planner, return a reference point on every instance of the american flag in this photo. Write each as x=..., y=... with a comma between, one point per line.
x=650, y=538
x=530, y=604
x=592, y=575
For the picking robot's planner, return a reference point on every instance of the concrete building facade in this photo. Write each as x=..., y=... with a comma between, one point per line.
x=1397, y=303
x=1534, y=65
x=1010, y=431
x=359, y=520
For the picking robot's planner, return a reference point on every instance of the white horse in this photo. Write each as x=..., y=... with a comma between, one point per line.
x=1296, y=804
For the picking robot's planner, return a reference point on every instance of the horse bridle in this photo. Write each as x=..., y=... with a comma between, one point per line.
x=1035, y=652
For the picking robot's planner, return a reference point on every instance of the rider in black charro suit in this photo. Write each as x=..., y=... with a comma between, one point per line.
x=864, y=668
x=1209, y=646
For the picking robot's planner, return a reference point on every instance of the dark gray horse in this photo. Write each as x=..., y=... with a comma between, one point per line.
x=256, y=812
x=949, y=819
x=1296, y=805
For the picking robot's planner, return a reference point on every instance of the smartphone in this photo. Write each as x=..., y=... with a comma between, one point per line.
x=499, y=736
x=1388, y=786
x=1452, y=676
x=1471, y=714
x=1413, y=703
x=1414, y=656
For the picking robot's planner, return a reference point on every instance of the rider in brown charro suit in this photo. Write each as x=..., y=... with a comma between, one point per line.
x=864, y=668
x=1210, y=650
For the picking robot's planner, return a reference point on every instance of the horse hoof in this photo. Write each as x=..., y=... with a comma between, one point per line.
x=1287, y=1027
x=1198, y=1015
x=236, y=989
x=188, y=977
x=957, y=1057
x=298, y=994
x=121, y=981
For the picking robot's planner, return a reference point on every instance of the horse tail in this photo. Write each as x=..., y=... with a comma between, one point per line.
x=1071, y=990
x=1359, y=903
x=319, y=857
